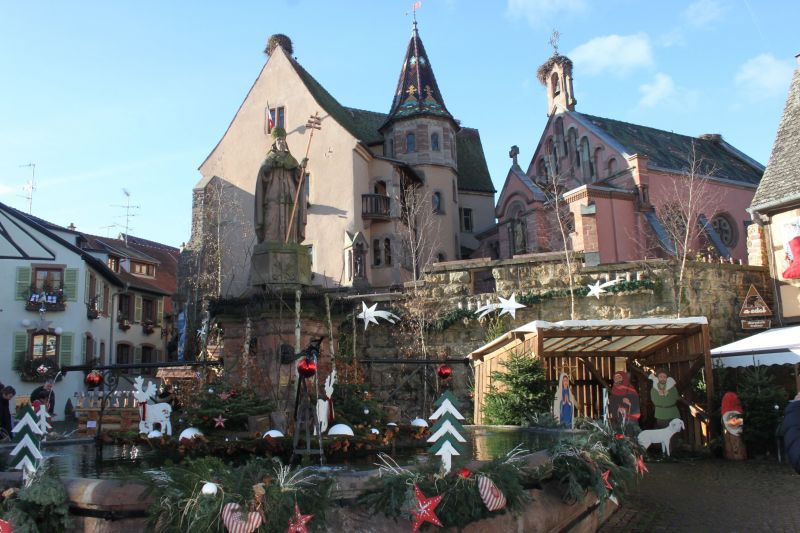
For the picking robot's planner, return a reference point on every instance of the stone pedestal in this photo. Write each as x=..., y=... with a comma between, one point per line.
x=279, y=264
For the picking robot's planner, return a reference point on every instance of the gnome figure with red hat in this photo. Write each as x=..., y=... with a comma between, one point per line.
x=732, y=413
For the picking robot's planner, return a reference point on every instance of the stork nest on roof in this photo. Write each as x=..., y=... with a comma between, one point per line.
x=544, y=70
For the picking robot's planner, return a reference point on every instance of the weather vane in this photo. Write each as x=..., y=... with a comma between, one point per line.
x=414, y=7
x=554, y=37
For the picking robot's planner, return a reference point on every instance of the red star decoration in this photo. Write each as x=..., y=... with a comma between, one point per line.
x=219, y=422
x=425, y=511
x=297, y=523
x=605, y=479
x=641, y=468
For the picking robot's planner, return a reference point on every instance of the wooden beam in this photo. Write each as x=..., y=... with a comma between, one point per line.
x=663, y=343
x=594, y=372
x=709, y=374
x=592, y=353
x=619, y=331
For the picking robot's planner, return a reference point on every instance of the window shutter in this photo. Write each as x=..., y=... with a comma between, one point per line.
x=137, y=355
x=158, y=356
x=65, y=349
x=71, y=284
x=86, y=296
x=83, y=348
x=23, y=283
x=160, y=314
x=137, y=313
x=20, y=348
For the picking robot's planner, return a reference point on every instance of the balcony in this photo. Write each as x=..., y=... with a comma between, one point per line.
x=49, y=298
x=375, y=206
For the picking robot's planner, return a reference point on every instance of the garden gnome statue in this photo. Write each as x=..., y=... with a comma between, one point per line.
x=279, y=259
x=733, y=444
x=564, y=402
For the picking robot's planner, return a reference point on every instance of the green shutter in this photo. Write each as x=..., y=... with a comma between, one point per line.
x=83, y=348
x=137, y=312
x=137, y=355
x=23, y=283
x=20, y=348
x=65, y=349
x=157, y=354
x=71, y=284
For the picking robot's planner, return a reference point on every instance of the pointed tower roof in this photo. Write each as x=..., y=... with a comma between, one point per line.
x=417, y=92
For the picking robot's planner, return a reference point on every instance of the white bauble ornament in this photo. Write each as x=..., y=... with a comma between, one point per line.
x=341, y=430
x=392, y=424
x=189, y=434
x=274, y=433
x=374, y=431
x=419, y=423
x=155, y=434
x=209, y=489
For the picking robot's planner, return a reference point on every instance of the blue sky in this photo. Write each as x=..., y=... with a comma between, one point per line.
x=110, y=95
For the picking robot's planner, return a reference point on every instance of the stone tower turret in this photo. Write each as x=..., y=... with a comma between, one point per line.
x=556, y=75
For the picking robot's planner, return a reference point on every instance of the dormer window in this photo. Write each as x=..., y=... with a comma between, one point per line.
x=113, y=263
x=143, y=269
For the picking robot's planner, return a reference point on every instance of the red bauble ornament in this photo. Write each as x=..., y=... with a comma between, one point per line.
x=307, y=367
x=464, y=473
x=444, y=371
x=94, y=378
x=6, y=527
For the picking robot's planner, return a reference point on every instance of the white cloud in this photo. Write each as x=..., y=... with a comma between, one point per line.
x=615, y=53
x=673, y=37
x=662, y=88
x=538, y=12
x=703, y=13
x=764, y=76
x=664, y=93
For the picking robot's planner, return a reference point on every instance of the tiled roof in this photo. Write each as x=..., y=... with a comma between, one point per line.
x=782, y=177
x=669, y=151
x=361, y=124
x=473, y=174
x=417, y=92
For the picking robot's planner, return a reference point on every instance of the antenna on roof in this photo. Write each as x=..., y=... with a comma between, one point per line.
x=30, y=186
x=128, y=207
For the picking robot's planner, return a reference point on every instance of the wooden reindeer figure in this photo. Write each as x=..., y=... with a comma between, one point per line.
x=151, y=414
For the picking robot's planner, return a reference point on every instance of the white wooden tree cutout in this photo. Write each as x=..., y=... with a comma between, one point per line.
x=446, y=432
x=43, y=416
x=27, y=436
x=151, y=414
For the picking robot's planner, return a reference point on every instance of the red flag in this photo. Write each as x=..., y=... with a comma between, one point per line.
x=270, y=119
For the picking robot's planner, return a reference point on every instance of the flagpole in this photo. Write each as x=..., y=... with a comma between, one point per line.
x=312, y=124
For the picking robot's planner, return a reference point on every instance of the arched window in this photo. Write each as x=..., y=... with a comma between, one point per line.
x=379, y=187
x=411, y=143
x=585, y=158
x=376, y=252
x=560, y=140
x=541, y=170
x=387, y=251
x=572, y=147
x=436, y=202
x=556, y=83
x=598, y=154
x=612, y=167
x=435, y=142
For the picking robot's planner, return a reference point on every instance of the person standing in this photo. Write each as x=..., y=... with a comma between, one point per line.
x=6, y=419
x=45, y=395
x=791, y=432
x=664, y=396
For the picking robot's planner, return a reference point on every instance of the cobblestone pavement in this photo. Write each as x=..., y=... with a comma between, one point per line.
x=712, y=496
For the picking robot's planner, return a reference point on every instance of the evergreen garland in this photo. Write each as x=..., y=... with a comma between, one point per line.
x=393, y=492
x=183, y=508
x=236, y=409
x=39, y=507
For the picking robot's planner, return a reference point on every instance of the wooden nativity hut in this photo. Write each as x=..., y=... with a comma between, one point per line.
x=591, y=351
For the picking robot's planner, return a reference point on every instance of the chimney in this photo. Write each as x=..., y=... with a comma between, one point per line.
x=71, y=226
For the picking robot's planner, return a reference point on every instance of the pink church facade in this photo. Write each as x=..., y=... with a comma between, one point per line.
x=616, y=185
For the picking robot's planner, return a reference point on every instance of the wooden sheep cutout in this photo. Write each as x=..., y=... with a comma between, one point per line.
x=661, y=436
x=151, y=415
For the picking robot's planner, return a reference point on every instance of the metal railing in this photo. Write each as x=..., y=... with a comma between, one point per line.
x=375, y=206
